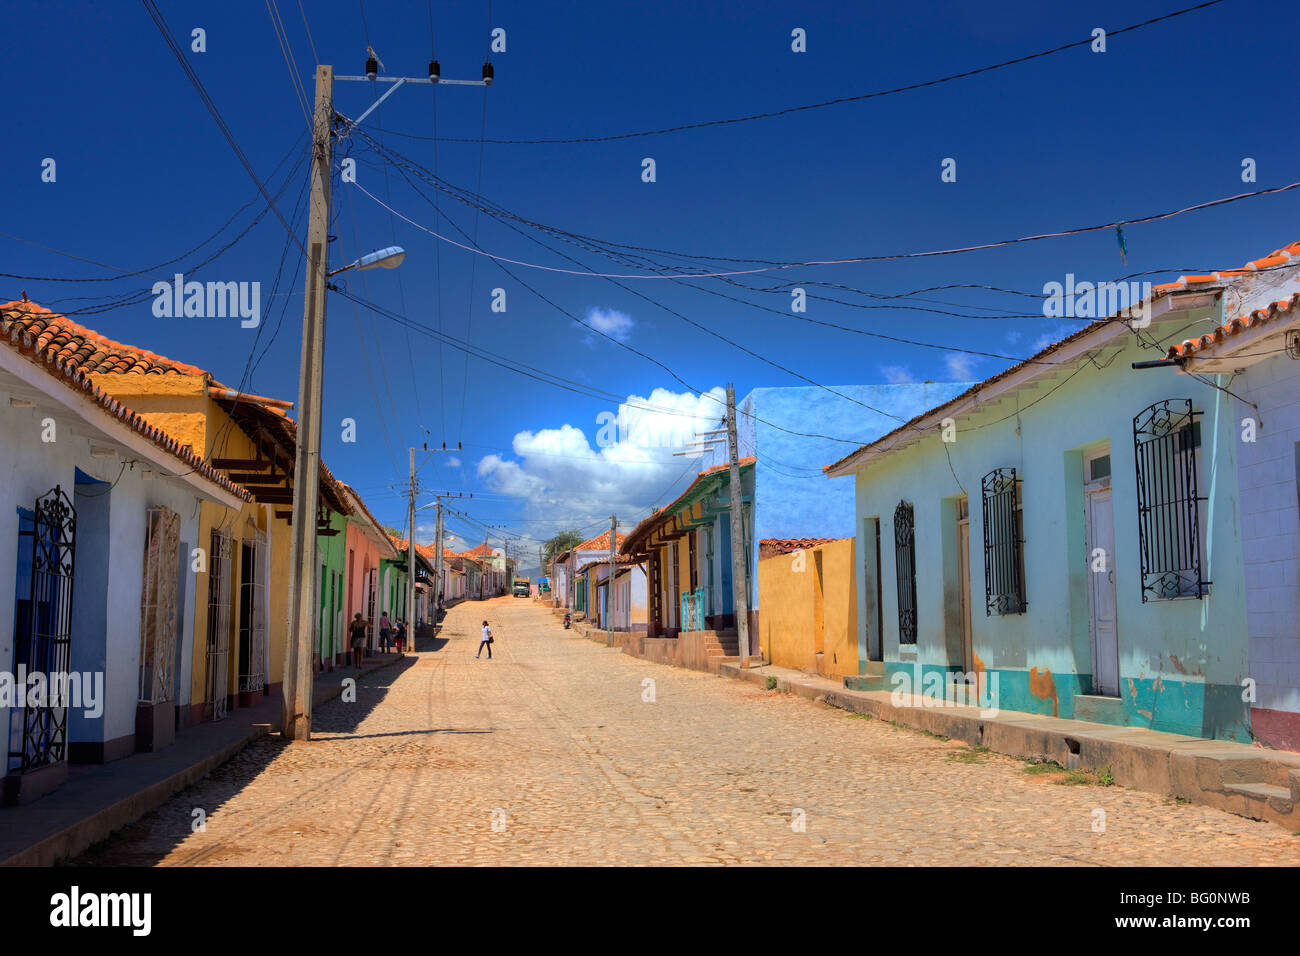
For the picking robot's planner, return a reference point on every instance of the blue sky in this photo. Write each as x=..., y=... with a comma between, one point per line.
x=1160, y=121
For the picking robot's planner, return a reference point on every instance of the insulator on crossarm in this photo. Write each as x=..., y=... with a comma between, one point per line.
x=372, y=68
x=487, y=73
x=435, y=71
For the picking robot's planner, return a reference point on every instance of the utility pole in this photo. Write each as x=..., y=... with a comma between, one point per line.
x=437, y=563
x=303, y=580
x=739, y=556
x=411, y=554
x=487, y=563
x=613, y=569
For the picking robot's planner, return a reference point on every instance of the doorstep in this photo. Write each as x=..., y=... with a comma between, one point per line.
x=99, y=799
x=1246, y=780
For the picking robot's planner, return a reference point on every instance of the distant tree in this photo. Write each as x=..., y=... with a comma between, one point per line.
x=559, y=544
x=392, y=532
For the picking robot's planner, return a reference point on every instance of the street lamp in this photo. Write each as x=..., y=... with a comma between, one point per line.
x=389, y=258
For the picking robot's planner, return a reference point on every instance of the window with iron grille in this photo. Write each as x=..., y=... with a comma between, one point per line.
x=1004, y=540
x=158, y=606
x=1166, y=441
x=905, y=563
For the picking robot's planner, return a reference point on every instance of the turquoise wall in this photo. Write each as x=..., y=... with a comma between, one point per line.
x=1181, y=661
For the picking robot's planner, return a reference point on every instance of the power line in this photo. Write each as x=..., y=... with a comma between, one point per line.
x=838, y=261
x=770, y=114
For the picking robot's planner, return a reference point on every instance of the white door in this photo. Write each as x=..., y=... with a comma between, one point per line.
x=1101, y=575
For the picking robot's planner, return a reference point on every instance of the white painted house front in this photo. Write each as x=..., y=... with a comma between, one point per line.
x=1258, y=356
x=98, y=522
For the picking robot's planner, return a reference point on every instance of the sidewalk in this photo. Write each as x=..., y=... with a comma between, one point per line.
x=100, y=798
x=1238, y=778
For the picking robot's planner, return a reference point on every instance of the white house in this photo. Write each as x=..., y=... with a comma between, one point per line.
x=98, y=530
x=1258, y=353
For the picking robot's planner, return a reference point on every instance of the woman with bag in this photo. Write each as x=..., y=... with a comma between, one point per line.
x=486, y=641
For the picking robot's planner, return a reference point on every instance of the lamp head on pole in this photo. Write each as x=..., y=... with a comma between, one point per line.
x=389, y=258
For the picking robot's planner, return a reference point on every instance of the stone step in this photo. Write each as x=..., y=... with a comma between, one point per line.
x=1279, y=797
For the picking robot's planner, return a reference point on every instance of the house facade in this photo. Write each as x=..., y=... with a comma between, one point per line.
x=368, y=546
x=1063, y=537
x=627, y=610
x=102, y=562
x=1259, y=351
x=568, y=565
x=685, y=548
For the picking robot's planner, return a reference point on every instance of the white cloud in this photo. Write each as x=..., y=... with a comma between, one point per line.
x=1048, y=338
x=453, y=462
x=615, y=324
x=626, y=466
x=960, y=366
x=897, y=374
x=1013, y=336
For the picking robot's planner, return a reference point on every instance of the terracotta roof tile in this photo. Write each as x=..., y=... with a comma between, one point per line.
x=771, y=547
x=69, y=346
x=1232, y=327
x=47, y=343
x=1288, y=253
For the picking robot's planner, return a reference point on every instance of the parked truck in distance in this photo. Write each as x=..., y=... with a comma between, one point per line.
x=523, y=587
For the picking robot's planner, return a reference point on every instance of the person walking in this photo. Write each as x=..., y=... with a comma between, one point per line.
x=385, y=633
x=486, y=641
x=357, y=639
x=399, y=635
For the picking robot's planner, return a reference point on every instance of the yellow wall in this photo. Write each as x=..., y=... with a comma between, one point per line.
x=179, y=404
x=787, y=587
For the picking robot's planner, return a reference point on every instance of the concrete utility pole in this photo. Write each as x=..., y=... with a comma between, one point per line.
x=303, y=578
x=613, y=569
x=411, y=555
x=739, y=557
x=437, y=563
x=487, y=564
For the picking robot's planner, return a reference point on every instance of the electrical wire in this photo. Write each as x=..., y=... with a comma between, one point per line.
x=770, y=114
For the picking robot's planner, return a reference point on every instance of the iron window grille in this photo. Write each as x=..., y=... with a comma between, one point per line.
x=253, y=616
x=1004, y=541
x=218, y=655
x=1166, y=437
x=905, y=563
x=43, y=632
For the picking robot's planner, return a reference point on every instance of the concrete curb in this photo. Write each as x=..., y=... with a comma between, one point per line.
x=78, y=836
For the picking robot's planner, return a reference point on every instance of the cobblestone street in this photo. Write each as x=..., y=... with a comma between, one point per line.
x=550, y=754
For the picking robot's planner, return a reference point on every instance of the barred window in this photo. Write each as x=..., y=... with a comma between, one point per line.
x=1166, y=441
x=1004, y=553
x=905, y=563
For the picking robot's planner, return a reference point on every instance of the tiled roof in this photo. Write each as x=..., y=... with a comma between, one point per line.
x=1210, y=340
x=480, y=551
x=49, y=351
x=1190, y=283
x=1278, y=257
x=598, y=543
x=74, y=347
x=771, y=547
x=659, y=515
